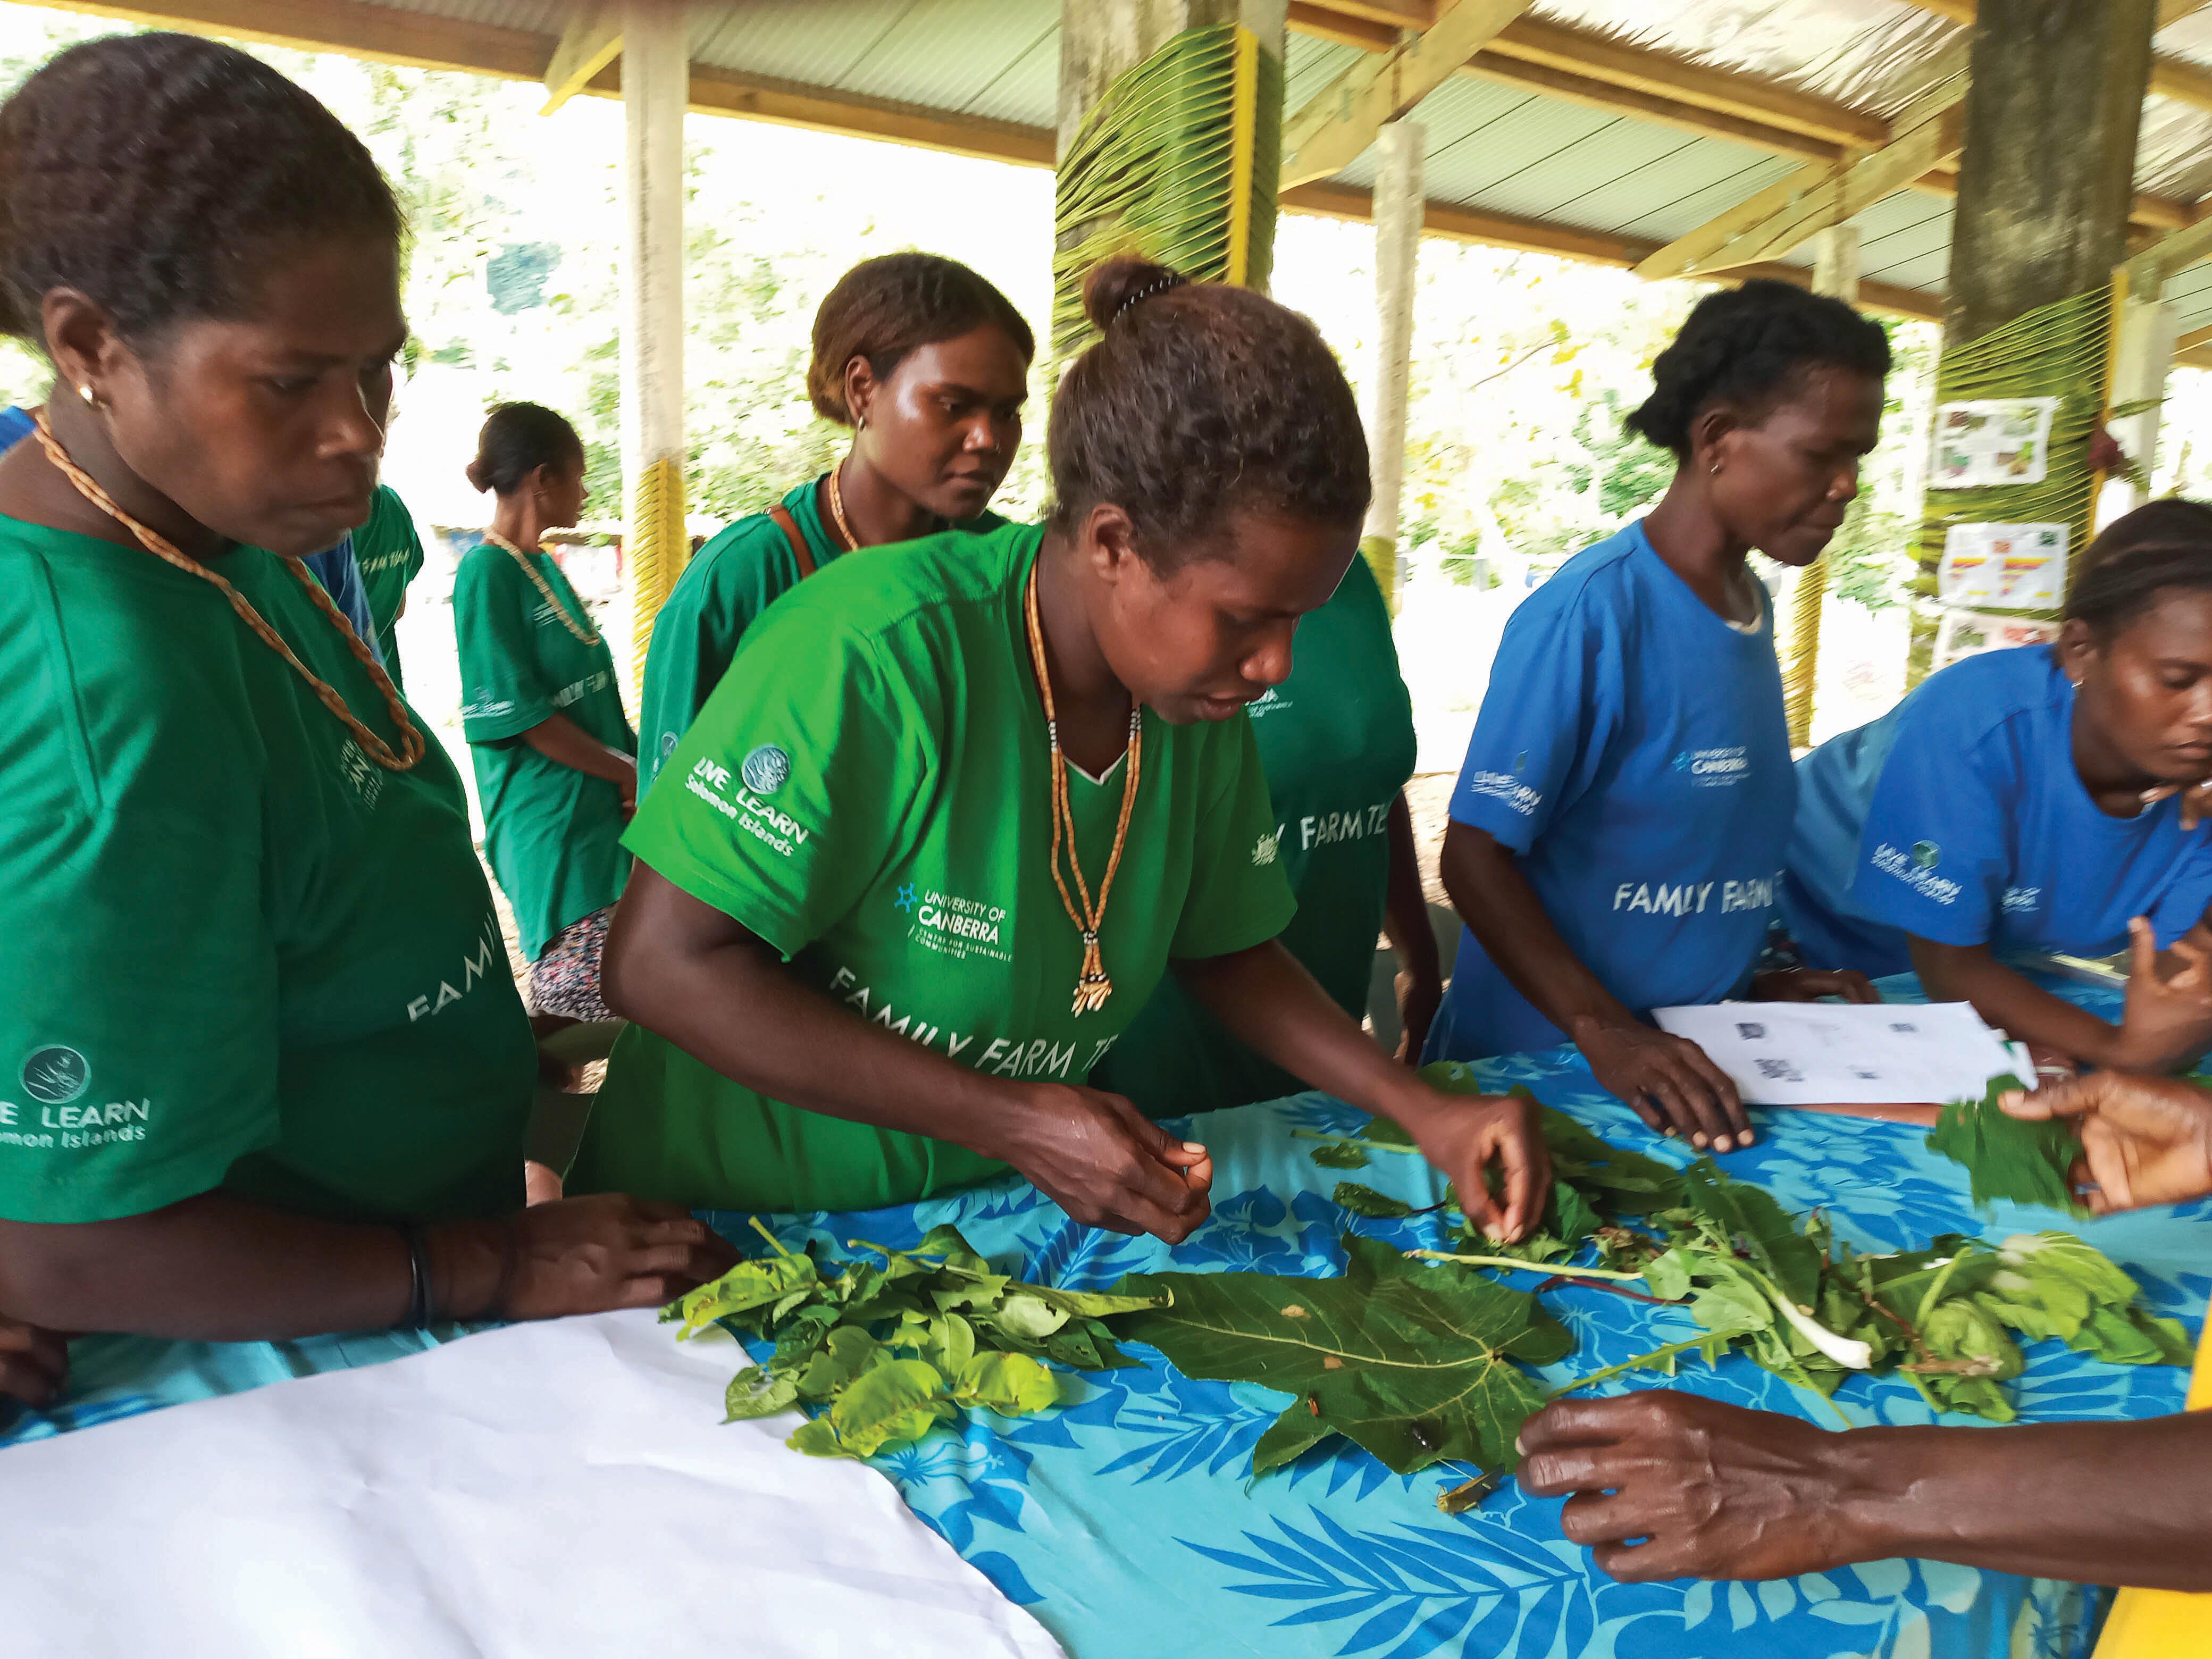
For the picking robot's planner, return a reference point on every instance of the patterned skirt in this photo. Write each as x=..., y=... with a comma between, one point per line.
x=565, y=981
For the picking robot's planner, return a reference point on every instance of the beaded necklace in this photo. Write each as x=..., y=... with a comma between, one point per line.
x=589, y=635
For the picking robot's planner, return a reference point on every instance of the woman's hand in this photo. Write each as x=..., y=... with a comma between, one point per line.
x=1667, y=1081
x=1107, y=1164
x=2146, y=1140
x=34, y=1363
x=2196, y=801
x=626, y=791
x=1811, y=984
x=582, y=1255
x=1466, y=1136
x=1419, y=996
x=1714, y=1491
x=2167, y=1018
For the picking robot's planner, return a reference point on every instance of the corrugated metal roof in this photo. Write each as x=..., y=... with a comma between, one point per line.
x=1492, y=146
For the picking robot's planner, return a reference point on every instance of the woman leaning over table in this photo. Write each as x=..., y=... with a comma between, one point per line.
x=2017, y=803
x=1624, y=806
x=556, y=759
x=951, y=817
x=265, y=1074
x=928, y=364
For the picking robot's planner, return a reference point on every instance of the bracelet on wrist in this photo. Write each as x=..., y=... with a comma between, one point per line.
x=418, y=1272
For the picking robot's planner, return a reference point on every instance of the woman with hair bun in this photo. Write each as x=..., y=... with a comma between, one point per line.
x=950, y=818
x=2020, y=801
x=1622, y=817
x=928, y=364
x=263, y=1072
x=556, y=759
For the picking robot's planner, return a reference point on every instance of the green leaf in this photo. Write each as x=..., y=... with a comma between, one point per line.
x=848, y=1352
x=1027, y=1314
x=817, y=1439
x=1668, y=1275
x=748, y=1285
x=1011, y=1384
x=1410, y=1363
x=1338, y=1155
x=893, y=1402
x=755, y=1393
x=2133, y=1337
x=2006, y=1156
x=1732, y=1305
x=1366, y=1202
x=1094, y=1304
x=946, y=1241
x=1747, y=1216
x=1297, y=1429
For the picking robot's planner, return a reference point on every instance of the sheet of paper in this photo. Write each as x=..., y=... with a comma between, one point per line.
x=555, y=1490
x=1817, y=1054
x=1986, y=443
x=2016, y=567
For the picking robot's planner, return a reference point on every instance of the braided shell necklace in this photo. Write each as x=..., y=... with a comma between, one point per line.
x=837, y=510
x=411, y=747
x=1092, y=987
x=583, y=631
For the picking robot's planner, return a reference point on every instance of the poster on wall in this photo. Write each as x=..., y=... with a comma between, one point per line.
x=2013, y=567
x=1991, y=442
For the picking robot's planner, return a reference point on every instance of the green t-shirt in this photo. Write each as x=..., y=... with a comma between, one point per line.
x=869, y=790
x=721, y=592
x=1337, y=742
x=553, y=834
x=246, y=958
x=390, y=555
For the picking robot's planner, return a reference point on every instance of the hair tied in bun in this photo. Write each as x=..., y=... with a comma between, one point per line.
x=1159, y=284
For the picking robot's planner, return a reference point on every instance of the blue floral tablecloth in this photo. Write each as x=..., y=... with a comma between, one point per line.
x=1127, y=1521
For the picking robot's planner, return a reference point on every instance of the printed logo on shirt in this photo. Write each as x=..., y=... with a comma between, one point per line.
x=778, y=831
x=1696, y=898
x=1264, y=850
x=955, y=926
x=56, y=1074
x=2022, y=901
x=486, y=709
x=1914, y=869
x=1270, y=702
x=370, y=566
x=478, y=964
x=582, y=689
x=765, y=770
x=365, y=776
x=1354, y=823
x=1008, y=1057
x=1715, y=768
x=1505, y=787
x=73, y=1128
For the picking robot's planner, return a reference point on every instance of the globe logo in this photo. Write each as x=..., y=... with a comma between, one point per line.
x=765, y=769
x=1926, y=854
x=54, y=1076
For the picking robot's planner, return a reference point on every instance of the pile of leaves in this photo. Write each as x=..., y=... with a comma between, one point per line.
x=1793, y=1298
x=886, y=1353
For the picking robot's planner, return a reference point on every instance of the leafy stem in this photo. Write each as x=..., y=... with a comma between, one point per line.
x=1652, y=1360
x=775, y=1242
x=1515, y=1266
x=1353, y=1140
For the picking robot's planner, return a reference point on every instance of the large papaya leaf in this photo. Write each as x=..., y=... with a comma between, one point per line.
x=1415, y=1364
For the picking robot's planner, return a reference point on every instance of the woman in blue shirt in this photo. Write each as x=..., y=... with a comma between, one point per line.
x=1621, y=818
x=2018, y=802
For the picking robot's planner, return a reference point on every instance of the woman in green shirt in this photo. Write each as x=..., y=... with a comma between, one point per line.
x=556, y=759
x=1337, y=744
x=951, y=817
x=928, y=364
x=263, y=1071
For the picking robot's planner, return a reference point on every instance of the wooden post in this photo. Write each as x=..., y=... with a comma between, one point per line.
x=1100, y=39
x=2046, y=177
x=1835, y=273
x=2149, y=325
x=1398, y=207
x=656, y=87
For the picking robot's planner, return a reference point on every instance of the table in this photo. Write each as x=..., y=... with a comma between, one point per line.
x=1126, y=1523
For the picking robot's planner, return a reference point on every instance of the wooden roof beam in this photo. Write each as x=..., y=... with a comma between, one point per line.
x=1342, y=119
x=2170, y=77
x=593, y=40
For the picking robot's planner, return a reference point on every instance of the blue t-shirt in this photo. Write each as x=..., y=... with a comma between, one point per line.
x=340, y=572
x=15, y=425
x=1631, y=748
x=1959, y=816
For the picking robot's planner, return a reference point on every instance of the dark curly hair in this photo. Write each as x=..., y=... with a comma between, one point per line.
x=1197, y=400
x=155, y=172
x=884, y=307
x=2165, y=545
x=516, y=441
x=1748, y=345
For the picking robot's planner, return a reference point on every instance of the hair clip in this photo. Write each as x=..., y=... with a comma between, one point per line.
x=1159, y=285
